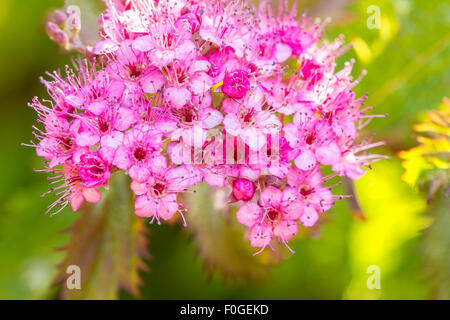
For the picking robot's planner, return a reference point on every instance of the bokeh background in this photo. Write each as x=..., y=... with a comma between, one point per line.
x=389, y=224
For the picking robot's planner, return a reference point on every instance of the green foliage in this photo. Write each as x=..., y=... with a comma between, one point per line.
x=406, y=60
x=436, y=249
x=108, y=243
x=28, y=243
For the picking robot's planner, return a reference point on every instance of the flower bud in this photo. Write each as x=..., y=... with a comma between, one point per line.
x=56, y=34
x=59, y=17
x=93, y=170
x=243, y=189
x=236, y=84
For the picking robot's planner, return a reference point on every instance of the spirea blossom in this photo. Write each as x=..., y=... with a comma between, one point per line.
x=179, y=92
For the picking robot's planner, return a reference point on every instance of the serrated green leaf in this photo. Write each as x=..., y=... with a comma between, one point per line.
x=436, y=249
x=108, y=244
x=221, y=241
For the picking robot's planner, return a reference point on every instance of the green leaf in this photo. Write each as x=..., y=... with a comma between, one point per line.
x=108, y=244
x=406, y=60
x=221, y=241
x=436, y=249
x=28, y=239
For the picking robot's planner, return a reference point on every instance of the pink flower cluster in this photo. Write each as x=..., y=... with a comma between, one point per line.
x=180, y=92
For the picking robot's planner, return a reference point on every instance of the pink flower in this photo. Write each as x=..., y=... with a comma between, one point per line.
x=307, y=187
x=315, y=140
x=135, y=71
x=188, y=82
x=72, y=190
x=100, y=122
x=352, y=162
x=311, y=71
x=191, y=123
x=139, y=155
x=274, y=158
x=248, y=121
x=165, y=43
x=275, y=216
x=188, y=23
x=223, y=61
x=157, y=197
x=298, y=34
x=285, y=98
x=297, y=39
x=221, y=26
x=57, y=144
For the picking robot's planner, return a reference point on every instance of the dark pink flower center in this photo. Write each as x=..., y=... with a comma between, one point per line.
x=262, y=50
x=273, y=214
x=311, y=71
x=248, y=117
x=310, y=138
x=140, y=153
x=188, y=115
x=159, y=188
x=134, y=71
x=306, y=191
x=179, y=74
x=103, y=125
x=168, y=40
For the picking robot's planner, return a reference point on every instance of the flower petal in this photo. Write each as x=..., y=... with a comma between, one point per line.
x=145, y=206
x=249, y=214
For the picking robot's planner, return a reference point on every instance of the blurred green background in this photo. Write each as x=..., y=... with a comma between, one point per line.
x=390, y=225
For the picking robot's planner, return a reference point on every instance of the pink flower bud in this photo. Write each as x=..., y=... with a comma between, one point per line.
x=243, y=189
x=59, y=17
x=93, y=170
x=59, y=36
x=52, y=28
x=236, y=84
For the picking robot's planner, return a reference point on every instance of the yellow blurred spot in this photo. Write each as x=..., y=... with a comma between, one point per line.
x=386, y=30
x=367, y=52
x=362, y=50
